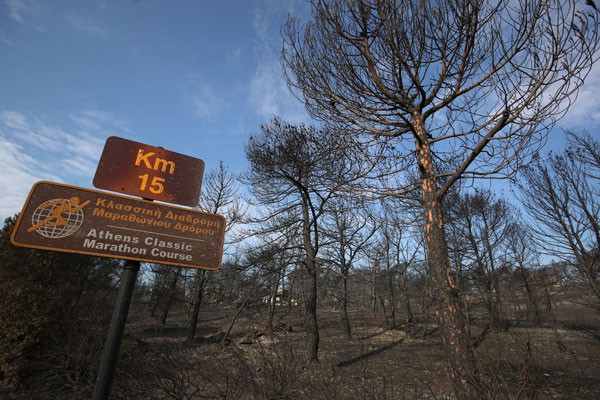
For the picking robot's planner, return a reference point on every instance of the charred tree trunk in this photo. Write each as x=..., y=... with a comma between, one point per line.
x=292, y=296
x=531, y=297
x=346, y=330
x=457, y=346
x=310, y=303
x=310, y=313
x=391, y=286
x=273, y=299
x=171, y=293
x=225, y=337
x=408, y=315
x=373, y=283
x=197, y=303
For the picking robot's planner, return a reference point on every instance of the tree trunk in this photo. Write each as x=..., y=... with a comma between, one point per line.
x=531, y=297
x=310, y=313
x=311, y=294
x=292, y=298
x=346, y=330
x=391, y=286
x=457, y=346
x=170, y=297
x=225, y=337
x=496, y=314
x=373, y=288
x=197, y=303
x=384, y=310
x=408, y=316
x=153, y=304
x=273, y=303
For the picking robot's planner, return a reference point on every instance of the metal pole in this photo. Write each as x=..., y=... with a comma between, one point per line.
x=115, y=333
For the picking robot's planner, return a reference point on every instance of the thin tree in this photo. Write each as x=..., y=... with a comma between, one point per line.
x=349, y=230
x=297, y=171
x=259, y=263
x=524, y=257
x=562, y=196
x=473, y=84
x=487, y=224
x=220, y=195
x=400, y=242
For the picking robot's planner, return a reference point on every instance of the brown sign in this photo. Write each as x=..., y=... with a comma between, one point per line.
x=149, y=172
x=77, y=220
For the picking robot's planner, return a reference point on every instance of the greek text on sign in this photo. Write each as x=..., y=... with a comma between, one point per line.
x=77, y=220
x=149, y=172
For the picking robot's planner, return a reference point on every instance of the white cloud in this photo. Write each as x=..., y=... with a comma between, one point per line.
x=18, y=9
x=13, y=119
x=270, y=96
x=205, y=101
x=262, y=25
x=15, y=9
x=4, y=38
x=86, y=146
x=98, y=121
x=268, y=90
x=18, y=172
x=33, y=149
x=265, y=93
x=585, y=112
x=79, y=165
x=85, y=25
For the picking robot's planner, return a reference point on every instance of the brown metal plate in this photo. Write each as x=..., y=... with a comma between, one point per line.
x=77, y=220
x=149, y=172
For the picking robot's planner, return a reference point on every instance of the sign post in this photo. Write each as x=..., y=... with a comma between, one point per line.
x=110, y=354
x=77, y=220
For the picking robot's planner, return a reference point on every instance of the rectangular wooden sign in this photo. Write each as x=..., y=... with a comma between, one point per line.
x=149, y=172
x=77, y=220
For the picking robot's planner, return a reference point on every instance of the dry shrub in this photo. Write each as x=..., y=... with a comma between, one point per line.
x=181, y=370
x=54, y=312
x=509, y=373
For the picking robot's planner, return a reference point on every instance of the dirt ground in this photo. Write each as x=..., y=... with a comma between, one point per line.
x=524, y=362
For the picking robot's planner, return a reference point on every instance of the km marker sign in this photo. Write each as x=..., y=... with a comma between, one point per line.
x=149, y=172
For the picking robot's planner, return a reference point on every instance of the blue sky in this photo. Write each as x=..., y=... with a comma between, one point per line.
x=193, y=76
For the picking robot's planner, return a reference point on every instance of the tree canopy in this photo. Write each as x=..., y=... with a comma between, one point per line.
x=480, y=80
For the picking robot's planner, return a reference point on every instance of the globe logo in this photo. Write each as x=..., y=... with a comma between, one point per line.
x=58, y=218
